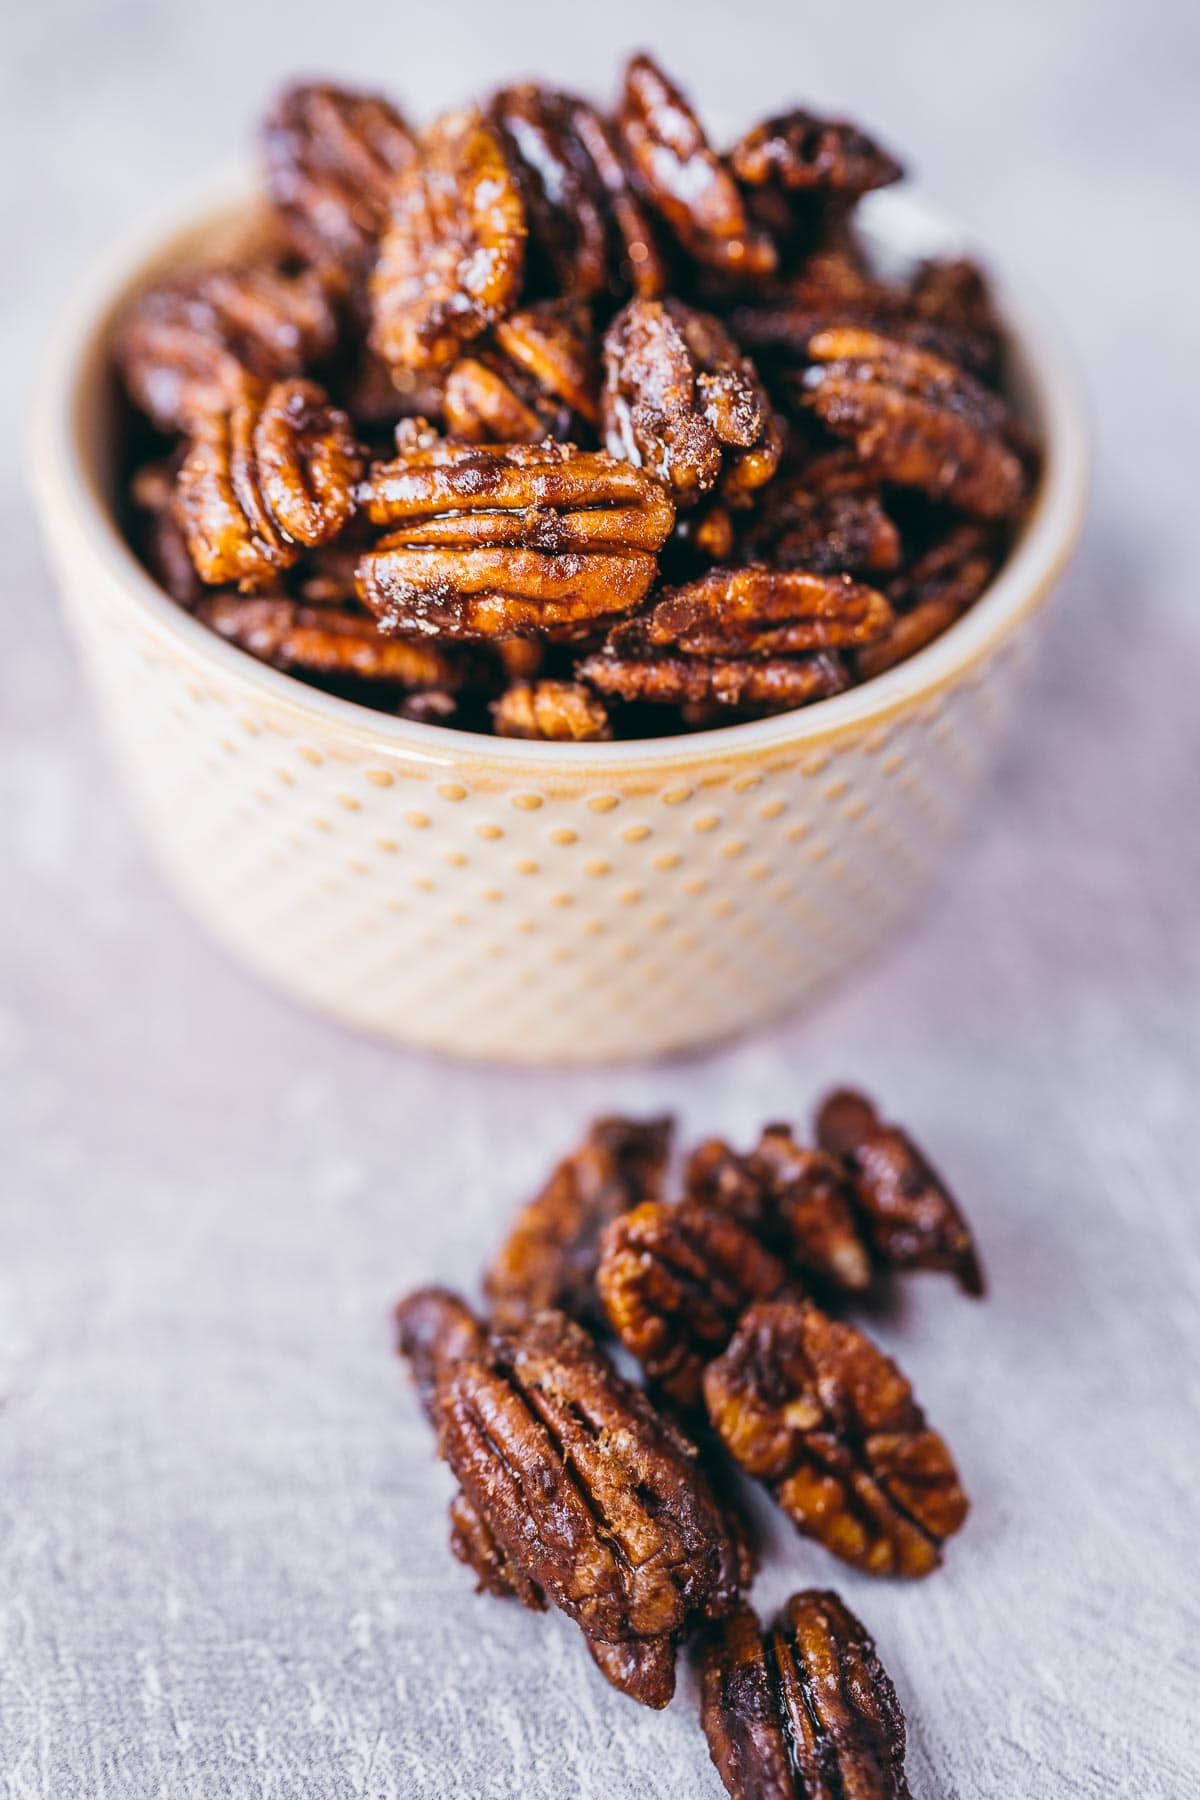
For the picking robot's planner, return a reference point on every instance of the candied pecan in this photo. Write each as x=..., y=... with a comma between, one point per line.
x=827, y=517
x=800, y=152
x=452, y=254
x=328, y=641
x=259, y=482
x=550, y=1256
x=588, y=230
x=536, y=379
x=162, y=544
x=587, y=1493
x=332, y=156
x=682, y=177
x=953, y=293
x=816, y=1411
x=804, y=1710
x=435, y=1330
x=939, y=587
x=507, y=540
x=917, y=420
x=911, y=1219
x=681, y=401
x=186, y=347
x=674, y=1280
x=758, y=611
x=766, y=683
x=554, y=711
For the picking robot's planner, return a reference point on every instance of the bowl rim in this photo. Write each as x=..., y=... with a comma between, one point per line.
x=69, y=495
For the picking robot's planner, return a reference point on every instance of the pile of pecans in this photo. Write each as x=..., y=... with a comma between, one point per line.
x=615, y=1501
x=564, y=425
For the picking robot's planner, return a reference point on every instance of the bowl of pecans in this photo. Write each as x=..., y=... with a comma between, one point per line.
x=556, y=586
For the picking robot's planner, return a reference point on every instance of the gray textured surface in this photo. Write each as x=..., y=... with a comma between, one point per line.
x=222, y=1561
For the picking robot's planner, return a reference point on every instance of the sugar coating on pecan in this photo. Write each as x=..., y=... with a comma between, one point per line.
x=937, y=589
x=329, y=641
x=506, y=540
x=916, y=419
x=910, y=1216
x=759, y=611
x=674, y=1281
x=332, y=157
x=187, y=347
x=681, y=401
x=563, y=712
x=453, y=251
x=803, y=1710
x=802, y=153
x=755, y=683
x=537, y=378
x=816, y=1411
x=588, y=230
x=682, y=177
x=274, y=474
x=550, y=1256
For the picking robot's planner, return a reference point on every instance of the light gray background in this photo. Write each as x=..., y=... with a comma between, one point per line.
x=222, y=1559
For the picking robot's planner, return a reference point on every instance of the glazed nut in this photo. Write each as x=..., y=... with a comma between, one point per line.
x=563, y=712
x=550, y=1256
x=939, y=587
x=759, y=611
x=801, y=153
x=452, y=253
x=909, y=1216
x=681, y=401
x=812, y=1408
x=329, y=642
x=828, y=518
x=259, y=483
x=536, y=378
x=763, y=684
x=803, y=1709
x=508, y=540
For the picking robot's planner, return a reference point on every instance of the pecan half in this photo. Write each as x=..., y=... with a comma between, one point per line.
x=551, y=1254
x=816, y=1411
x=804, y=1710
x=917, y=420
x=589, y=233
x=801, y=153
x=911, y=1219
x=681, y=401
x=435, y=1331
x=161, y=543
x=588, y=1494
x=507, y=540
x=674, y=1281
x=452, y=254
x=329, y=642
x=758, y=684
x=536, y=379
x=332, y=157
x=275, y=473
x=828, y=517
x=186, y=347
x=563, y=712
x=939, y=587
x=682, y=177
x=758, y=611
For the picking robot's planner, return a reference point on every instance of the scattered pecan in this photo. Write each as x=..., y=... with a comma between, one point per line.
x=329, y=642
x=674, y=1281
x=507, y=540
x=563, y=712
x=536, y=379
x=758, y=684
x=588, y=230
x=758, y=611
x=332, y=157
x=916, y=419
x=452, y=254
x=274, y=474
x=910, y=1216
x=551, y=1254
x=186, y=347
x=939, y=587
x=682, y=177
x=816, y=1411
x=827, y=517
x=681, y=401
x=804, y=1710
x=586, y=1493
x=801, y=153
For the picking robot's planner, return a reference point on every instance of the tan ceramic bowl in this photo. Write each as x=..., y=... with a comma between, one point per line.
x=536, y=902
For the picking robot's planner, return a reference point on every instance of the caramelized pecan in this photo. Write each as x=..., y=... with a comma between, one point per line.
x=435, y=1331
x=674, y=1281
x=332, y=157
x=804, y=1710
x=939, y=587
x=910, y=1217
x=274, y=474
x=589, y=233
x=828, y=517
x=453, y=251
x=551, y=1254
x=536, y=379
x=160, y=541
x=758, y=611
x=802, y=153
x=917, y=420
x=329, y=642
x=186, y=347
x=681, y=401
x=682, y=177
x=507, y=540
x=757, y=684
x=816, y=1411
x=563, y=712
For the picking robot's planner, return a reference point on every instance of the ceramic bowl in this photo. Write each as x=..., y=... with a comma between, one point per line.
x=544, y=903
